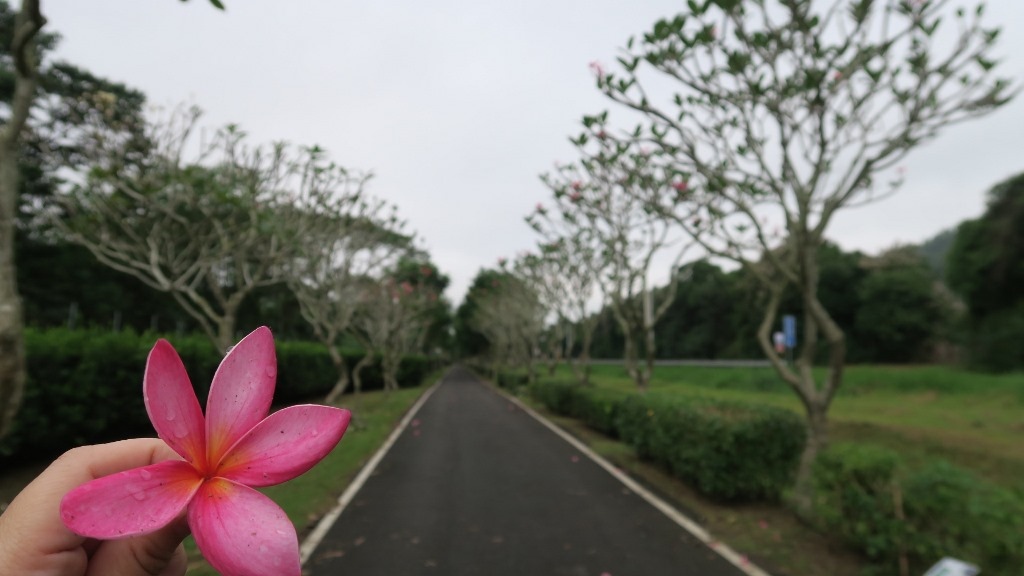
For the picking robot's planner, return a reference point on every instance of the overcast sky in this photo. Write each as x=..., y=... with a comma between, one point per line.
x=457, y=106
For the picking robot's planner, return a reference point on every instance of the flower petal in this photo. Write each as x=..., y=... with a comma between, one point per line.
x=172, y=405
x=242, y=532
x=284, y=445
x=241, y=392
x=132, y=502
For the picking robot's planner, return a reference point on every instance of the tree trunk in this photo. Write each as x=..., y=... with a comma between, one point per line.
x=12, y=345
x=817, y=440
x=226, y=330
x=357, y=372
x=631, y=358
x=342, y=383
x=582, y=365
x=389, y=368
x=648, y=338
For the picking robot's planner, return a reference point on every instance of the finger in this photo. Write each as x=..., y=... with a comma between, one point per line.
x=178, y=564
x=33, y=518
x=156, y=554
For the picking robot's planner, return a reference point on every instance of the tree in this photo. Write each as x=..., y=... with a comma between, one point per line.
x=25, y=35
x=391, y=323
x=351, y=238
x=699, y=322
x=510, y=315
x=781, y=114
x=603, y=202
x=208, y=231
x=416, y=269
x=985, y=267
x=28, y=23
x=470, y=342
x=562, y=275
x=899, y=310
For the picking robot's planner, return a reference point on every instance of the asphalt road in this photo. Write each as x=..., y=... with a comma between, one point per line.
x=475, y=486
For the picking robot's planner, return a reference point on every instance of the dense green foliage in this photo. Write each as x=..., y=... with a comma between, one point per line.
x=887, y=306
x=986, y=268
x=85, y=386
x=885, y=511
x=729, y=451
x=469, y=342
x=935, y=249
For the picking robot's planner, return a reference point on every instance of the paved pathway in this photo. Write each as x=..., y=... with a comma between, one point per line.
x=475, y=486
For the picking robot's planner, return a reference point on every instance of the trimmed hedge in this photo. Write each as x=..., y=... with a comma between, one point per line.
x=946, y=511
x=85, y=386
x=726, y=450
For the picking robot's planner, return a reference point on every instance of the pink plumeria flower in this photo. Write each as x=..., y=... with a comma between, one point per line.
x=234, y=449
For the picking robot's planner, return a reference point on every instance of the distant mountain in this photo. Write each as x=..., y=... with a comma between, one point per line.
x=935, y=249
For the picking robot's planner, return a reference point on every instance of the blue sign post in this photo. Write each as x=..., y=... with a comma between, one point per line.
x=789, y=331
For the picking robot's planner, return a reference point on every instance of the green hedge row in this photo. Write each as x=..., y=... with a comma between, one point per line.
x=85, y=386
x=885, y=511
x=726, y=450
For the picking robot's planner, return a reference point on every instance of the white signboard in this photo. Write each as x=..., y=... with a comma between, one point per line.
x=952, y=567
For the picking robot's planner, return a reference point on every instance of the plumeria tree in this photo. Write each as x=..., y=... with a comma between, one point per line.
x=602, y=200
x=777, y=114
x=208, y=229
x=510, y=315
x=543, y=277
x=391, y=323
x=562, y=272
x=352, y=237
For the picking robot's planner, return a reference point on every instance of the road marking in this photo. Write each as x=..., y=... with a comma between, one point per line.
x=322, y=527
x=736, y=559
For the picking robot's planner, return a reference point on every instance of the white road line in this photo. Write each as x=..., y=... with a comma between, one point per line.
x=315, y=537
x=667, y=509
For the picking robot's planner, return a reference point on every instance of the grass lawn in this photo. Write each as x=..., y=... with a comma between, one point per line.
x=973, y=420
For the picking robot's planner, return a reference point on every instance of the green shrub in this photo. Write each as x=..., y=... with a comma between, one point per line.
x=557, y=397
x=728, y=451
x=953, y=512
x=512, y=381
x=85, y=386
x=947, y=511
x=598, y=409
x=854, y=487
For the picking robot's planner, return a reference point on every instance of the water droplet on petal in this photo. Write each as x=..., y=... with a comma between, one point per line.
x=314, y=432
x=169, y=412
x=180, y=431
x=263, y=548
x=146, y=474
x=136, y=491
x=271, y=371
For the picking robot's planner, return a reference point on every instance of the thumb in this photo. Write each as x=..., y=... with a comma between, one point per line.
x=156, y=554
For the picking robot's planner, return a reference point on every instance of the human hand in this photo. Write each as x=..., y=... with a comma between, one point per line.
x=35, y=542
